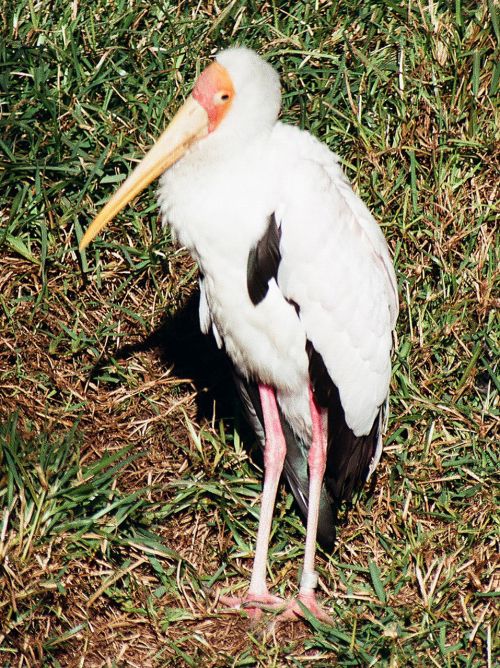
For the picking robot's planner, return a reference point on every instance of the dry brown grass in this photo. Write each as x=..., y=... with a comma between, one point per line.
x=113, y=557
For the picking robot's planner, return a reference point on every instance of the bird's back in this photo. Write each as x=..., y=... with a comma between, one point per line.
x=337, y=270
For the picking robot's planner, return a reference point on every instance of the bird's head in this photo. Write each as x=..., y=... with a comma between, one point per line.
x=234, y=98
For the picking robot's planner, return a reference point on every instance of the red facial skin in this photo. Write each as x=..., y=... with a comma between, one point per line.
x=214, y=91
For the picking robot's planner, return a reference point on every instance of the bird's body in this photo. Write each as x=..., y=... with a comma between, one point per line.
x=296, y=284
x=334, y=265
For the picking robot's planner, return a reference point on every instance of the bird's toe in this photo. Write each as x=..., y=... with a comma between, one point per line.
x=254, y=605
x=297, y=608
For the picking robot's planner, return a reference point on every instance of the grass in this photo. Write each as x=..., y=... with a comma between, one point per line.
x=128, y=494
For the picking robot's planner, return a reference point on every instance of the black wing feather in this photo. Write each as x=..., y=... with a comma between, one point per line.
x=349, y=456
x=263, y=262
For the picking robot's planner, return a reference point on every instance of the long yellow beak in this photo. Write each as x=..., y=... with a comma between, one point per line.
x=188, y=125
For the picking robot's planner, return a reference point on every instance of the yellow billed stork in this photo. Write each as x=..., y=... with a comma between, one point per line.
x=297, y=285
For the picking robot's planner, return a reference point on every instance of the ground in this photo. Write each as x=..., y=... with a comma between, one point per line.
x=129, y=483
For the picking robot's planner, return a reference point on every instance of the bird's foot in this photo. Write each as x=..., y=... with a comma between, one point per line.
x=254, y=604
x=294, y=611
x=287, y=611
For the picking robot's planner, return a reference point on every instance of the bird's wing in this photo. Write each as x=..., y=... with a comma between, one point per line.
x=337, y=271
x=336, y=266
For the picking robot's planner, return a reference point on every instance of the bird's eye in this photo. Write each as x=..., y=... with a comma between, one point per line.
x=221, y=97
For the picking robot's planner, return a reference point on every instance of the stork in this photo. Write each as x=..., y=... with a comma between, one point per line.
x=297, y=286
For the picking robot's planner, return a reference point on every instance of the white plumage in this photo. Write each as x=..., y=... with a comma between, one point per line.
x=297, y=285
x=335, y=263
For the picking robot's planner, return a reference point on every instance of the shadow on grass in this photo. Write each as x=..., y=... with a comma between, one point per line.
x=191, y=355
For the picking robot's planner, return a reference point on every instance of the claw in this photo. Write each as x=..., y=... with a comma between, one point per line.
x=254, y=605
x=294, y=610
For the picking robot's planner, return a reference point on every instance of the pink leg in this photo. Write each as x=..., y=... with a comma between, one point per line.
x=317, y=463
x=274, y=455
